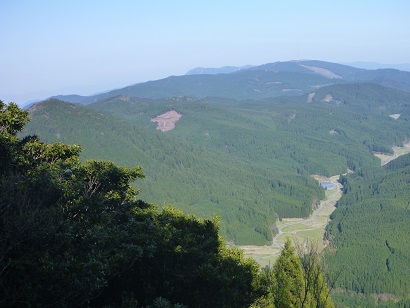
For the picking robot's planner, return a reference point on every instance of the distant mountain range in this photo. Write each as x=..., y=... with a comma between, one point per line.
x=219, y=70
x=254, y=82
x=364, y=65
x=375, y=65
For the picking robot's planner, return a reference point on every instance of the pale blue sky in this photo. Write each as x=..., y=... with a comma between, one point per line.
x=83, y=47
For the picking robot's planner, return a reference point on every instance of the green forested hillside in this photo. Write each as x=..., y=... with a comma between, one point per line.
x=246, y=195
x=357, y=96
x=247, y=161
x=370, y=231
x=285, y=132
x=74, y=234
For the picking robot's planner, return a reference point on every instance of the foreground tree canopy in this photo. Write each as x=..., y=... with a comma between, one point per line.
x=74, y=234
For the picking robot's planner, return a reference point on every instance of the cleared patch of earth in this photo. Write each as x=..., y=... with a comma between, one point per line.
x=290, y=90
x=328, y=98
x=310, y=97
x=395, y=116
x=322, y=71
x=167, y=120
x=398, y=151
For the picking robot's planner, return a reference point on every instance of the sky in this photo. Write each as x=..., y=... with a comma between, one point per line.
x=85, y=47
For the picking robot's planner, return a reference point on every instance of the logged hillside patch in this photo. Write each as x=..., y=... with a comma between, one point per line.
x=167, y=120
x=323, y=71
x=328, y=98
x=310, y=97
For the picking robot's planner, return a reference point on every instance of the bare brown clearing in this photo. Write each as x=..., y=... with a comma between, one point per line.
x=328, y=98
x=167, y=120
x=322, y=71
x=310, y=97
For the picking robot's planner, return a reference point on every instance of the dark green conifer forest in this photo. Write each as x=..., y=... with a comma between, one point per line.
x=74, y=234
x=370, y=231
x=247, y=161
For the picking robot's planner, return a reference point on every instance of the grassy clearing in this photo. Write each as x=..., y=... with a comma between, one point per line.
x=398, y=151
x=264, y=255
x=295, y=228
x=298, y=229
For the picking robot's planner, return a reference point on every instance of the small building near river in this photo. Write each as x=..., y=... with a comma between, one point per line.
x=327, y=185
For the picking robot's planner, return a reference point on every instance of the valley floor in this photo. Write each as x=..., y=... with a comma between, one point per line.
x=299, y=229
x=398, y=151
x=312, y=228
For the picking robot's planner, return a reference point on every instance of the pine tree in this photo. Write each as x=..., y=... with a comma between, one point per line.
x=316, y=290
x=288, y=272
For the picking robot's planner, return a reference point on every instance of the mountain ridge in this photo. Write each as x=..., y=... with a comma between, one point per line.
x=216, y=70
x=256, y=82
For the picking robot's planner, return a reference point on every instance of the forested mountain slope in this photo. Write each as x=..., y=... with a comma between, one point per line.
x=246, y=161
x=359, y=96
x=370, y=230
x=245, y=194
x=280, y=131
x=74, y=234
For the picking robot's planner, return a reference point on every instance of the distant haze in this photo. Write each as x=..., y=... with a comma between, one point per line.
x=374, y=65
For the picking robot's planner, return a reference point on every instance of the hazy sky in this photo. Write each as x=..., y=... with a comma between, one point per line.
x=86, y=46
